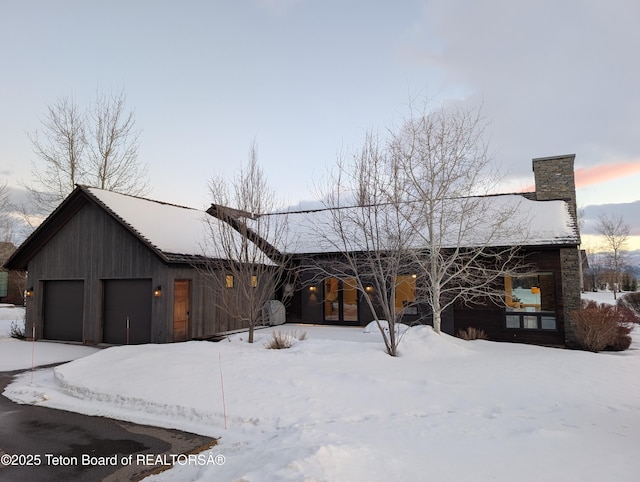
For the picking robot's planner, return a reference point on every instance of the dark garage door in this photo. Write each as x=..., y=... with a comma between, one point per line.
x=63, y=310
x=127, y=300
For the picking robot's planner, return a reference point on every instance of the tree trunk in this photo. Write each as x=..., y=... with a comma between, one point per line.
x=437, y=320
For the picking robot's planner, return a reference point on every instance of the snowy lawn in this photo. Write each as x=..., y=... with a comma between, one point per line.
x=335, y=407
x=17, y=355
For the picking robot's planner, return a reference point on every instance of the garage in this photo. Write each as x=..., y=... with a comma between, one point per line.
x=63, y=310
x=127, y=311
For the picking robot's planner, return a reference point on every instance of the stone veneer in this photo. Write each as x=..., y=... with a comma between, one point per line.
x=555, y=181
x=569, y=262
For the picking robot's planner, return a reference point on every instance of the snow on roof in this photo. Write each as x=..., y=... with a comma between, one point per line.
x=527, y=223
x=170, y=228
x=182, y=230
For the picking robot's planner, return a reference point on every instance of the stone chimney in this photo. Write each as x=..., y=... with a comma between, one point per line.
x=554, y=180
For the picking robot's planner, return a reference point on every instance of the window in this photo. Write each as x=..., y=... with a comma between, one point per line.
x=4, y=283
x=254, y=281
x=340, y=300
x=406, y=294
x=229, y=281
x=530, y=302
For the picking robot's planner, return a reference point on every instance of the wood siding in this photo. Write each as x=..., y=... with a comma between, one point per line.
x=92, y=246
x=307, y=307
x=491, y=318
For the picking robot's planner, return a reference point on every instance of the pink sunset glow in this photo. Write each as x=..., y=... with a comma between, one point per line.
x=586, y=176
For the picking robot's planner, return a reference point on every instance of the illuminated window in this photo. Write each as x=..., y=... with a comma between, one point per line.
x=530, y=302
x=340, y=300
x=229, y=281
x=254, y=281
x=405, y=298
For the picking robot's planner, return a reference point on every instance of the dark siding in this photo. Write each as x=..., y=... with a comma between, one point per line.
x=206, y=317
x=491, y=319
x=94, y=247
x=488, y=317
x=294, y=307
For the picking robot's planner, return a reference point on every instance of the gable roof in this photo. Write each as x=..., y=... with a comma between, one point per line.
x=179, y=234
x=176, y=234
x=167, y=228
x=533, y=223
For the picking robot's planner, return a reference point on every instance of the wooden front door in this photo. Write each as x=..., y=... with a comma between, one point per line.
x=180, y=309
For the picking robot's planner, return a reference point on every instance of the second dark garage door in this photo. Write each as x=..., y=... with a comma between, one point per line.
x=127, y=303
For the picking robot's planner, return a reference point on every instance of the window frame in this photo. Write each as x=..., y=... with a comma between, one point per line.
x=535, y=318
x=4, y=284
x=406, y=284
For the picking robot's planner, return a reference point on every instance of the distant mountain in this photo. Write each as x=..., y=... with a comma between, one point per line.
x=633, y=260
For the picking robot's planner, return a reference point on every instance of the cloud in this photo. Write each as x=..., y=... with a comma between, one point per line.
x=587, y=176
x=630, y=213
x=553, y=77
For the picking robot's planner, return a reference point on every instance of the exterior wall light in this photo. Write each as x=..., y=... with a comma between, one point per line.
x=369, y=289
x=29, y=292
x=312, y=289
x=157, y=292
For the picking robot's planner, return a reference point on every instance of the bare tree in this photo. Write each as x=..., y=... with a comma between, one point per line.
x=113, y=155
x=97, y=147
x=615, y=233
x=415, y=222
x=60, y=146
x=373, y=240
x=246, y=268
x=8, y=222
x=470, y=239
x=596, y=269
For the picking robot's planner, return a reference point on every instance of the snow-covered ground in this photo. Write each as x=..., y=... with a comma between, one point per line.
x=18, y=355
x=336, y=407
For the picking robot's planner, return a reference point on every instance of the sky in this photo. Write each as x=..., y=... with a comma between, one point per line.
x=305, y=80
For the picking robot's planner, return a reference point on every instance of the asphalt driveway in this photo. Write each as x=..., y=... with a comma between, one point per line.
x=42, y=444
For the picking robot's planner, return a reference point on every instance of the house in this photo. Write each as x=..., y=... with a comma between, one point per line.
x=12, y=282
x=536, y=306
x=110, y=268
x=117, y=269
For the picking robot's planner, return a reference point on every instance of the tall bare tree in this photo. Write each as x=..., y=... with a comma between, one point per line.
x=97, y=146
x=8, y=222
x=114, y=141
x=60, y=146
x=615, y=233
x=415, y=222
x=470, y=238
x=596, y=269
x=368, y=228
x=247, y=270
